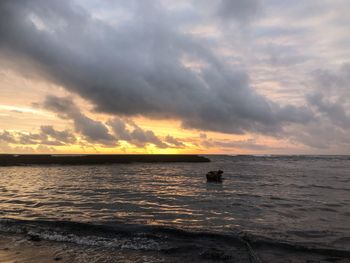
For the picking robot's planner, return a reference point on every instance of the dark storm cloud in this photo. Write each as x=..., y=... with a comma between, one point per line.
x=135, y=68
x=92, y=130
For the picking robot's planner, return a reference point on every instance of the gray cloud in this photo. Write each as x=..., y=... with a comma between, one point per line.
x=331, y=95
x=322, y=135
x=48, y=136
x=34, y=138
x=241, y=11
x=174, y=141
x=135, y=68
x=96, y=131
x=249, y=144
x=7, y=137
x=61, y=136
x=132, y=133
x=92, y=130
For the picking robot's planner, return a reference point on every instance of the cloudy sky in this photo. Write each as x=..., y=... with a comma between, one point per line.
x=163, y=76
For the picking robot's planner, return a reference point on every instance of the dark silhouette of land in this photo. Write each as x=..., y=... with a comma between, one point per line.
x=45, y=159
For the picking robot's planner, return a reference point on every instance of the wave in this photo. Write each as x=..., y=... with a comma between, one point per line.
x=154, y=238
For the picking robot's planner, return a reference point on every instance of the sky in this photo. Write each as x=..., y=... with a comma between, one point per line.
x=185, y=76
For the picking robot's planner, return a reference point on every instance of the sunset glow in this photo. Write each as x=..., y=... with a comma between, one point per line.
x=162, y=77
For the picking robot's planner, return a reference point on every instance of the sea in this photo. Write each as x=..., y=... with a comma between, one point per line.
x=264, y=205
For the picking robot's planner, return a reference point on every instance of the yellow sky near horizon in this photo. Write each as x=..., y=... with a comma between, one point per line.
x=20, y=113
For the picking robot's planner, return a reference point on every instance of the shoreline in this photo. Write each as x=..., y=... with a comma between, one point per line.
x=22, y=241
x=19, y=248
x=95, y=159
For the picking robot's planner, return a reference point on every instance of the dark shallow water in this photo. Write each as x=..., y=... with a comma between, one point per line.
x=300, y=201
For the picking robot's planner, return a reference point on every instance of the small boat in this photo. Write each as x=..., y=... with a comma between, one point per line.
x=215, y=176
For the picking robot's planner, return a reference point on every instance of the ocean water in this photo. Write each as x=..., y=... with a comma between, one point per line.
x=299, y=201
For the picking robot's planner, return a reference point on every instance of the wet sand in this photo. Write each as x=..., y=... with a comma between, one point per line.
x=20, y=249
x=17, y=248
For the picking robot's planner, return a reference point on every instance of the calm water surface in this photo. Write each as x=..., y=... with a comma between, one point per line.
x=296, y=199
